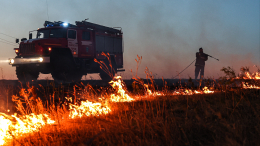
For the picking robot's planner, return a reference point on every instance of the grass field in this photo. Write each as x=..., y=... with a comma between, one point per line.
x=223, y=118
x=229, y=115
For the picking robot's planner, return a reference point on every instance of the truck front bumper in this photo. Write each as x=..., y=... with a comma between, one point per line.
x=30, y=60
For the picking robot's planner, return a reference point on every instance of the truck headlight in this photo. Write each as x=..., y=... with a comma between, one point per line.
x=11, y=61
x=41, y=59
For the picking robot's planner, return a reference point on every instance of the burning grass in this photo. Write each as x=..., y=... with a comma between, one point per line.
x=224, y=118
x=114, y=116
x=160, y=118
x=35, y=115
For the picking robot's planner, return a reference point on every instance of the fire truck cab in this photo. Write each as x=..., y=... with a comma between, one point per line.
x=69, y=51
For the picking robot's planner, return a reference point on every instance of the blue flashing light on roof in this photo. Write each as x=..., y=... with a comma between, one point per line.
x=65, y=24
x=49, y=25
x=58, y=23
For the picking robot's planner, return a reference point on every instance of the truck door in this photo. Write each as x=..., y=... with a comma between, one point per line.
x=73, y=42
x=86, y=46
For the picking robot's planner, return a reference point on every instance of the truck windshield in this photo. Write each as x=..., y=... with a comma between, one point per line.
x=52, y=33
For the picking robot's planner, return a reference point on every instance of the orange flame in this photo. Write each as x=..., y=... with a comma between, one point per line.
x=13, y=126
x=88, y=108
x=122, y=97
x=247, y=86
x=150, y=93
x=206, y=90
x=253, y=76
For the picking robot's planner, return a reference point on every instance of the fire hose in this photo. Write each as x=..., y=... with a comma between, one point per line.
x=184, y=69
x=191, y=64
x=212, y=57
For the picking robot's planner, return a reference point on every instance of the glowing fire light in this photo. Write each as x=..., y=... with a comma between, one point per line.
x=88, y=108
x=205, y=90
x=13, y=126
x=150, y=93
x=253, y=76
x=122, y=97
x=246, y=86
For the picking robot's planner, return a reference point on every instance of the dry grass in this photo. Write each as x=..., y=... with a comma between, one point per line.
x=228, y=117
x=223, y=118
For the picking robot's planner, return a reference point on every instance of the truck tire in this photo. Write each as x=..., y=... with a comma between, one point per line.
x=64, y=70
x=26, y=73
x=105, y=76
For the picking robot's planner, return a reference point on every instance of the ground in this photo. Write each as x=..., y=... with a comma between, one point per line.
x=224, y=118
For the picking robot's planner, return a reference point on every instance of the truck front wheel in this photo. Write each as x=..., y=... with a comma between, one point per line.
x=26, y=73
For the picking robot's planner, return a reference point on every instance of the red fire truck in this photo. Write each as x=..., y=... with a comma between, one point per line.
x=69, y=51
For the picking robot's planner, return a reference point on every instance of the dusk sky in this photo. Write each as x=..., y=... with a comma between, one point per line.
x=166, y=33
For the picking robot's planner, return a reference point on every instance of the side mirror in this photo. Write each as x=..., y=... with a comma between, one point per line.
x=30, y=36
x=23, y=39
x=16, y=40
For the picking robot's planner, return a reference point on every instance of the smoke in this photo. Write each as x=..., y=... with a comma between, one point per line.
x=166, y=34
x=168, y=46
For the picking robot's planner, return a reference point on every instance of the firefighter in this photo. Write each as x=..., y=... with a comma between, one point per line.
x=200, y=63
